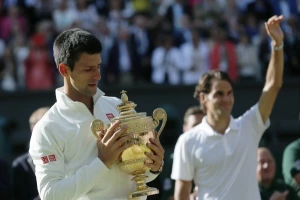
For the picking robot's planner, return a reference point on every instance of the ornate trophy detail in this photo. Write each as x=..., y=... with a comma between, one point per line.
x=143, y=127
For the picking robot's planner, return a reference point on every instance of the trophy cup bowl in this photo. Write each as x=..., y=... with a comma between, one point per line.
x=143, y=127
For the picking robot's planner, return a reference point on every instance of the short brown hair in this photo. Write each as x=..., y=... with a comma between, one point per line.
x=205, y=81
x=194, y=110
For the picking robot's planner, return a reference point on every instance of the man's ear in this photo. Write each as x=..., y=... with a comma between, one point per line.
x=203, y=98
x=63, y=70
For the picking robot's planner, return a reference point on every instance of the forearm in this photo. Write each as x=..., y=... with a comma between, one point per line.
x=52, y=186
x=275, y=68
x=182, y=190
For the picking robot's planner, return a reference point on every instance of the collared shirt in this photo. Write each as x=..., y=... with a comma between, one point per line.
x=65, y=154
x=222, y=166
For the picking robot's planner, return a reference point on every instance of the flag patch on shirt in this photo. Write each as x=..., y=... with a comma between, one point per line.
x=52, y=158
x=110, y=116
x=45, y=159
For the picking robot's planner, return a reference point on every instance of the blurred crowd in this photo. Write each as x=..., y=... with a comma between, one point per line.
x=146, y=41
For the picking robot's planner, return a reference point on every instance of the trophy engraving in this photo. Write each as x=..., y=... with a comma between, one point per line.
x=143, y=128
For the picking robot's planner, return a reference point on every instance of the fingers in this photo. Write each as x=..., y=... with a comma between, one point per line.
x=125, y=145
x=122, y=140
x=275, y=20
x=153, y=157
x=156, y=147
x=267, y=28
x=111, y=130
x=116, y=135
x=157, y=156
x=100, y=136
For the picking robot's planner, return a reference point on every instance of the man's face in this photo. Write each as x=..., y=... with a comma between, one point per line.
x=266, y=169
x=297, y=178
x=85, y=75
x=220, y=100
x=192, y=121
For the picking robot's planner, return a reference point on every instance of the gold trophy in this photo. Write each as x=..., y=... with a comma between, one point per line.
x=132, y=159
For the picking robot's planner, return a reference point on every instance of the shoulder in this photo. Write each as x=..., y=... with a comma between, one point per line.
x=46, y=128
x=109, y=102
x=193, y=136
x=294, y=145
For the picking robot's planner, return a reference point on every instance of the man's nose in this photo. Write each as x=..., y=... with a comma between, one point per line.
x=97, y=75
x=265, y=165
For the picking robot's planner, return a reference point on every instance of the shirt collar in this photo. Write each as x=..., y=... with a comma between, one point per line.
x=66, y=103
x=233, y=126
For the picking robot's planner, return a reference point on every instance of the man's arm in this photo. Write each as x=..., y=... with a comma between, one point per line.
x=275, y=69
x=51, y=180
x=182, y=190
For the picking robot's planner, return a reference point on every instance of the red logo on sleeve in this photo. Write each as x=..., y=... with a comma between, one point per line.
x=45, y=159
x=110, y=116
x=52, y=158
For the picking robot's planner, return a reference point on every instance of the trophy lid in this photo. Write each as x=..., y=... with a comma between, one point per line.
x=126, y=109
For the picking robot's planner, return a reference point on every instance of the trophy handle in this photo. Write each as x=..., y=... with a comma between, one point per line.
x=97, y=126
x=159, y=114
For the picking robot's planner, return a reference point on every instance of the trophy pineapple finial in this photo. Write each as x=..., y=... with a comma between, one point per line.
x=124, y=96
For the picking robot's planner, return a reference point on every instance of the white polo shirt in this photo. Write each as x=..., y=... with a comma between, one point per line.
x=222, y=166
x=65, y=154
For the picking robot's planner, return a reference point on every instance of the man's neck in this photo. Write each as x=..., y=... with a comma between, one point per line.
x=87, y=101
x=218, y=123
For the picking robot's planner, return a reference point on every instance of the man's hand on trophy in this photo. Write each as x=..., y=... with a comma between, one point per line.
x=157, y=155
x=111, y=144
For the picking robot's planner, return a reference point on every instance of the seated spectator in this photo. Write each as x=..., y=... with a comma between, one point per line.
x=290, y=165
x=295, y=173
x=271, y=188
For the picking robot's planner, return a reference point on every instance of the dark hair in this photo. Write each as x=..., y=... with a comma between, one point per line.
x=70, y=44
x=205, y=81
x=194, y=110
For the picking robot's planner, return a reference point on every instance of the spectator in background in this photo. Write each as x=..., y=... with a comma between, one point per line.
x=23, y=177
x=13, y=23
x=166, y=61
x=9, y=75
x=195, y=59
x=271, y=188
x=291, y=165
x=223, y=52
x=39, y=70
x=247, y=59
x=20, y=51
x=63, y=16
x=86, y=16
x=122, y=64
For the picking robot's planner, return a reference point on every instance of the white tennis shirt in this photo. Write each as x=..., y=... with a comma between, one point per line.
x=65, y=153
x=222, y=166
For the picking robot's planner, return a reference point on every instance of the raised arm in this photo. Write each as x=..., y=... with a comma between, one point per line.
x=275, y=69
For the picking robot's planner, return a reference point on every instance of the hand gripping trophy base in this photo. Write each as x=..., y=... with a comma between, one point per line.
x=132, y=160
